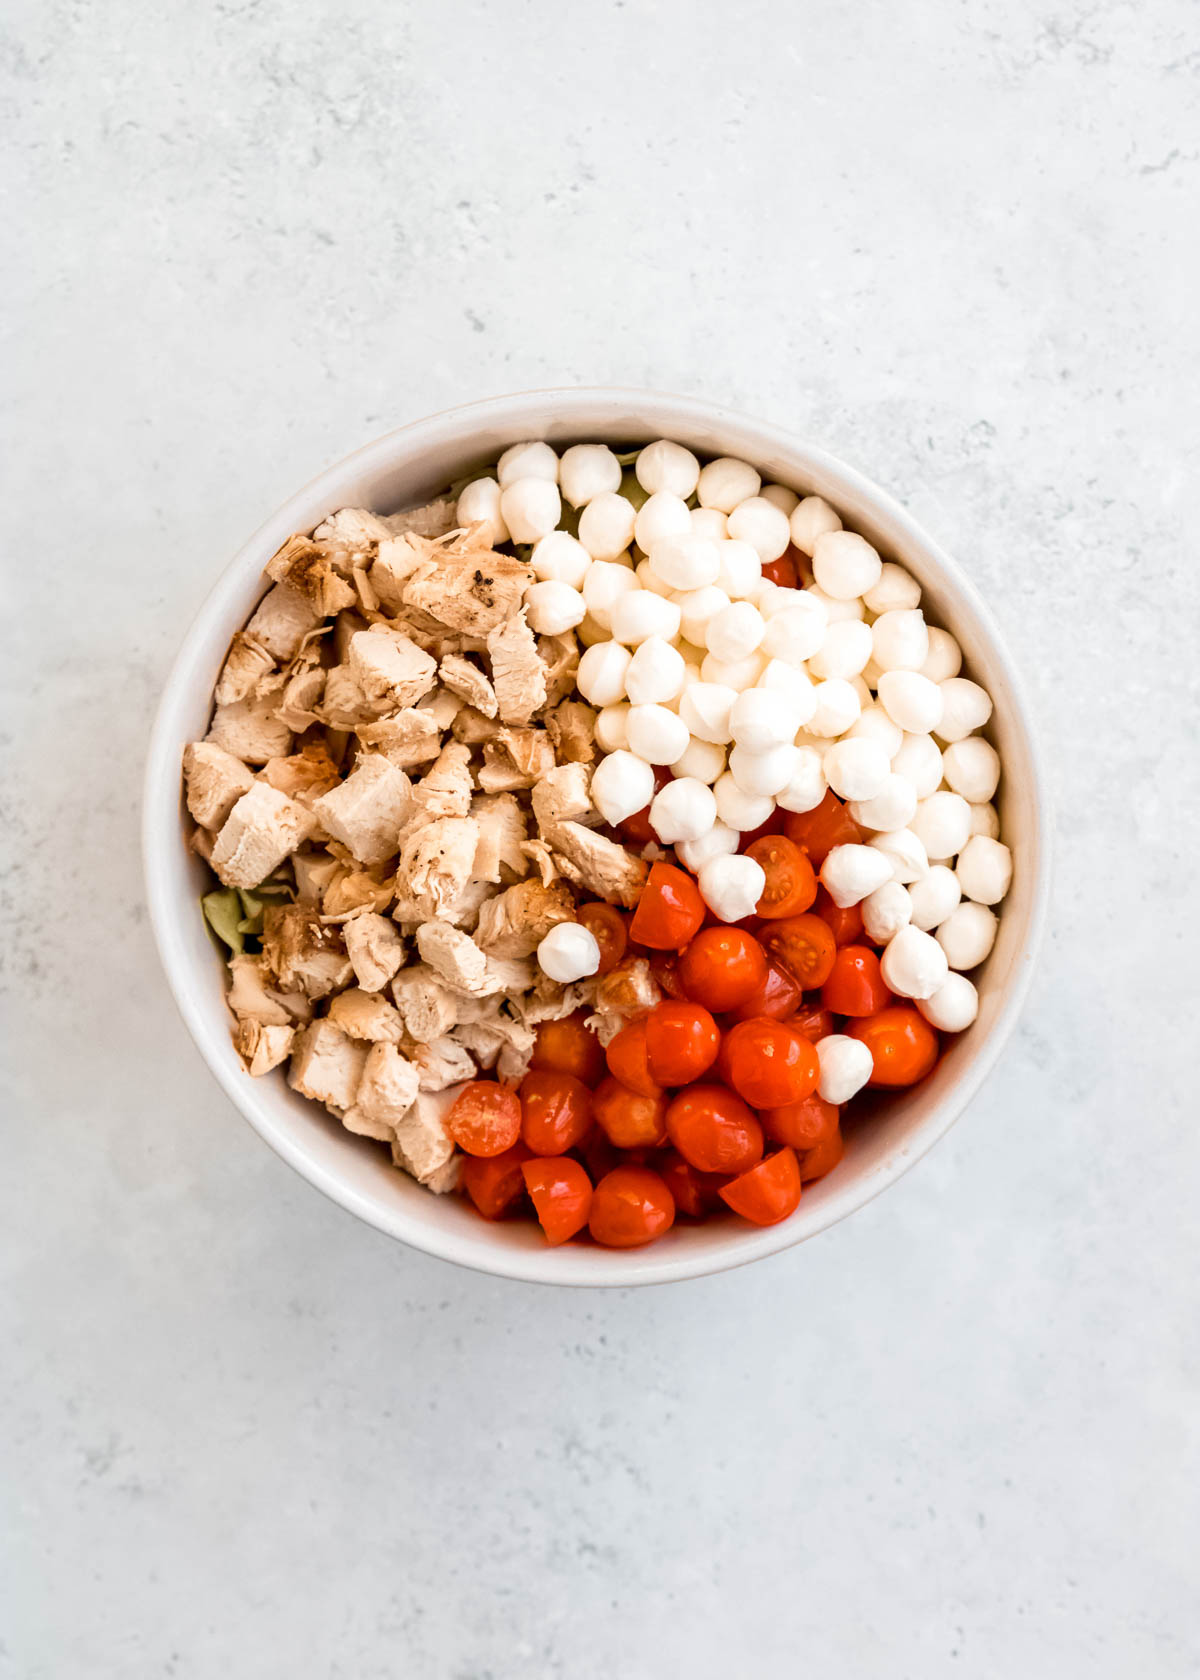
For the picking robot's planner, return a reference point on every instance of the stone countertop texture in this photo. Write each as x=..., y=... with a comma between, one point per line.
x=957, y=1435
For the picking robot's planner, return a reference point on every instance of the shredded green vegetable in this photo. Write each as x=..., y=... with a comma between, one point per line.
x=631, y=489
x=224, y=914
x=628, y=456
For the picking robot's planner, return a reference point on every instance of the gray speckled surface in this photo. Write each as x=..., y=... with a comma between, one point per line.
x=957, y=1435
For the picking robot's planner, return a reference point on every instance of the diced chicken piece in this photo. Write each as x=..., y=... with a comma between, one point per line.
x=302, y=694
x=454, y=957
x=357, y=529
x=386, y=1092
x=250, y=730
x=445, y=789
x=263, y=828
x=510, y=975
x=397, y=559
x=390, y=668
x=307, y=567
x=572, y=728
x=496, y=1036
x=303, y=776
x=543, y=860
x=343, y=703
x=483, y=1043
x=281, y=621
x=245, y=665
x=442, y=706
x=366, y=1015
x=518, y=674
x=313, y=872
x=353, y=890
x=560, y=654
x=624, y=994
x=375, y=949
x=501, y=837
x=251, y=997
x=201, y=842
x=302, y=953
x=423, y=1147
x=605, y=868
x=261, y=1047
x=464, y=586
x=368, y=810
x=471, y=727
x=464, y=678
x=327, y=1065
x=515, y=758
x=215, y=782
x=435, y=864
x=514, y=923
x=443, y=1179
x=442, y=1063
x=427, y=1007
x=562, y=796
x=410, y=737
x=550, y=1001
x=434, y=519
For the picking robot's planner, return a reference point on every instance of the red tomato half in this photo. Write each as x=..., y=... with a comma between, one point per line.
x=855, y=985
x=769, y=1064
x=822, y=1157
x=804, y=946
x=777, y=998
x=569, y=1046
x=682, y=1041
x=812, y=1022
x=769, y=1192
x=494, y=1183
x=783, y=571
x=903, y=1046
x=485, y=1118
x=628, y=1119
x=630, y=1206
x=556, y=1111
x=803, y=1124
x=846, y=925
x=722, y=967
x=607, y=926
x=561, y=1193
x=628, y=1060
x=818, y=831
x=714, y=1130
x=670, y=911
x=791, y=884
x=692, y=1191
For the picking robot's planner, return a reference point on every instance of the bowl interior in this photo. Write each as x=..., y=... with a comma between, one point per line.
x=401, y=470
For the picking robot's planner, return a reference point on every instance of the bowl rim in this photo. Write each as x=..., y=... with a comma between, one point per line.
x=160, y=833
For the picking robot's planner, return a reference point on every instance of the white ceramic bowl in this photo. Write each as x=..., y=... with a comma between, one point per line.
x=401, y=470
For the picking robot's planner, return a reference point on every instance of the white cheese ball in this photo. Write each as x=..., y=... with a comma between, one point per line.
x=656, y=673
x=639, y=614
x=602, y=671
x=838, y=611
x=568, y=952
x=621, y=784
x=657, y=734
x=911, y=700
x=683, y=810
x=705, y=708
x=726, y=482
x=667, y=466
x=846, y=1066
x=530, y=507
x=528, y=460
x=913, y=964
x=741, y=569
x=933, y=897
x=733, y=673
x=735, y=632
x=965, y=708
x=702, y=759
x=845, y=565
x=739, y=810
x=710, y=523
x=765, y=774
x=649, y=579
x=589, y=632
x=479, y=504
x=896, y=590
x=771, y=598
x=761, y=524
x=606, y=525
x=732, y=886
x=919, y=761
x=811, y=518
x=984, y=869
x=586, y=470
x=686, y=563
x=661, y=516
x=894, y=806
x=967, y=935
x=844, y=650
x=857, y=769
x=560, y=558
x=760, y=720
x=611, y=728
x=904, y=852
x=794, y=688
x=697, y=609
x=554, y=608
x=899, y=640
x=850, y=872
x=603, y=586
x=972, y=768
x=984, y=820
x=873, y=724
x=797, y=630
x=942, y=824
x=781, y=497
x=886, y=911
x=807, y=787
x=954, y=1005
x=837, y=708
x=944, y=658
x=720, y=841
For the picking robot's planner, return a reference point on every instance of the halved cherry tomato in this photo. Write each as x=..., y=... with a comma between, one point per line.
x=783, y=570
x=804, y=946
x=561, y=1193
x=628, y=1120
x=670, y=910
x=791, y=885
x=664, y=966
x=682, y=1041
x=630, y=1206
x=845, y=925
x=494, y=1183
x=569, y=1046
x=721, y=968
x=714, y=1130
x=692, y=1191
x=767, y=1193
x=818, y=831
x=628, y=1060
x=814, y=1023
x=769, y=1064
x=903, y=1046
x=803, y=1124
x=855, y=985
x=600, y=1156
x=606, y=925
x=635, y=831
x=773, y=825
x=822, y=1157
x=556, y=1111
x=777, y=998
x=485, y=1118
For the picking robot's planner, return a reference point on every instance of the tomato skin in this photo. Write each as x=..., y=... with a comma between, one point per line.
x=569, y=1046
x=818, y=831
x=814, y=1023
x=722, y=967
x=561, y=1193
x=682, y=1041
x=485, y=1118
x=769, y=1192
x=801, y=1125
x=804, y=946
x=822, y=1157
x=855, y=985
x=670, y=911
x=713, y=1130
x=600, y=1156
x=903, y=1046
x=493, y=1183
x=773, y=825
x=628, y=1060
x=791, y=883
x=664, y=967
x=630, y=1206
x=783, y=570
x=556, y=1111
x=776, y=999
x=628, y=1119
x=607, y=926
x=635, y=831
x=769, y=1064
x=846, y=925
x=692, y=1191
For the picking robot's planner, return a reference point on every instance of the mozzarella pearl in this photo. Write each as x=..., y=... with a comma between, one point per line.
x=944, y=658
x=984, y=820
x=984, y=869
x=611, y=728
x=702, y=759
x=731, y=886
x=705, y=708
x=667, y=466
x=760, y=720
x=735, y=632
x=942, y=824
x=900, y=640
x=972, y=768
x=844, y=650
x=914, y=964
x=837, y=708
x=720, y=841
x=479, y=504
x=967, y=935
x=606, y=525
x=873, y=724
x=649, y=579
x=837, y=611
x=965, y=708
x=640, y=613
x=904, y=853
x=849, y=873
x=734, y=673
x=530, y=507
x=896, y=591
x=781, y=497
x=933, y=897
x=846, y=1066
x=683, y=810
x=857, y=769
x=797, y=631
x=568, y=952
x=771, y=598
x=911, y=700
x=659, y=517
x=528, y=460
x=602, y=671
x=742, y=811
x=656, y=673
x=621, y=784
x=894, y=806
x=698, y=608
x=586, y=471
x=954, y=1005
x=886, y=911
x=793, y=686
x=812, y=518
x=687, y=562
x=766, y=773
x=845, y=565
x=560, y=558
x=919, y=761
x=656, y=734
x=603, y=586
x=741, y=569
x=554, y=608
x=709, y=522
x=806, y=789
x=761, y=524
x=725, y=482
